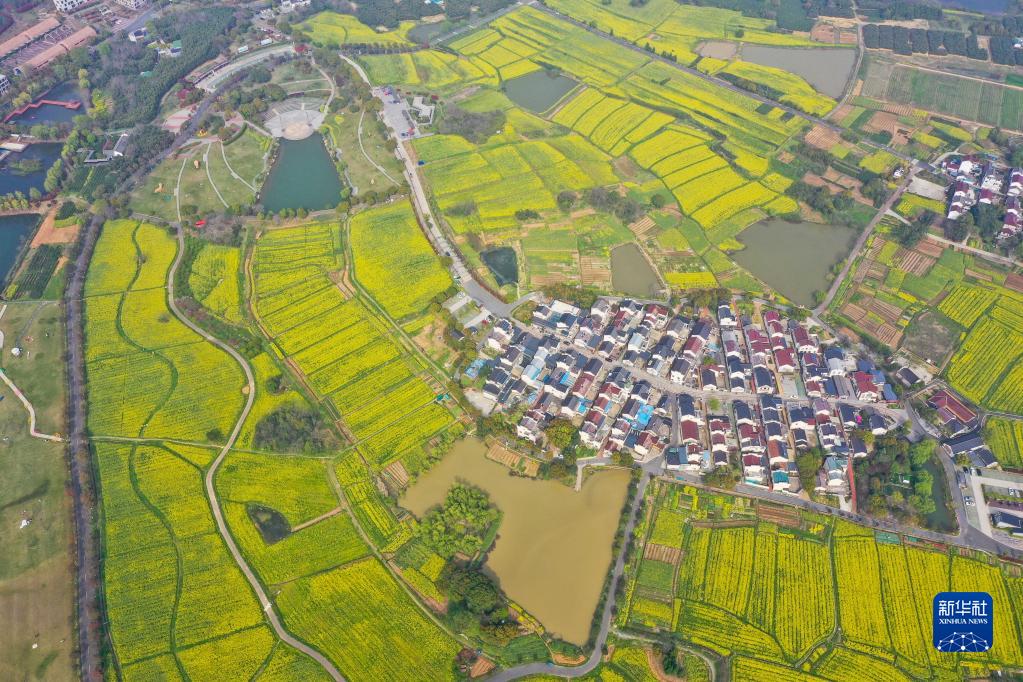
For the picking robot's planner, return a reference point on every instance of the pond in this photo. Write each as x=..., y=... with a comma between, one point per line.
x=52, y=113
x=631, y=272
x=943, y=519
x=12, y=179
x=794, y=258
x=553, y=549
x=503, y=262
x=425, y=33
x=827, y=69
x=303, y=176
x=538, y=91
x=15, y=230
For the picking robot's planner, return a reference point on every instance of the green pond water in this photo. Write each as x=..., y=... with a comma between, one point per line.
x=827, y=69
x=303, y=176
x=14, y=231
x=503, y=262
x=538, y=91
x=794, y=258
x=631, y=273
x=553, y=547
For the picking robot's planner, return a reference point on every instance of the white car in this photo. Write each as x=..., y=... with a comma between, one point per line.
x=968, y=500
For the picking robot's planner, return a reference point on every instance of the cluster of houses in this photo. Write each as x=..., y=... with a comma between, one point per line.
x=640, y=378
x=962, y=425
x=976, y=181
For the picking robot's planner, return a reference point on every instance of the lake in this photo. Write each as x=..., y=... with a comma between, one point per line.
x=553, y=549
x=14, y=231
x=538, y=91
x=10, y=181
x=794, y=258
x=50, y=113
x=631, y=273
x=503, y=262
x=303, y=176
x=827, y=69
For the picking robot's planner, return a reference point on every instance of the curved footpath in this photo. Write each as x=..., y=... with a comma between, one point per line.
x=605, y=620
x=211, y=491
x=88, y=588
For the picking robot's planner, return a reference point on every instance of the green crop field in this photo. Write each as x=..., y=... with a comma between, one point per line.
x=395, y=262
x=770, y=595
x=349, y=357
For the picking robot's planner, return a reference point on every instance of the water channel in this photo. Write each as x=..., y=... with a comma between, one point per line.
x=631, y=273
x=554, y=545
x=14, y=231
x=52, y=113
x=538, y=91
x=303, y=176
x=794, y=258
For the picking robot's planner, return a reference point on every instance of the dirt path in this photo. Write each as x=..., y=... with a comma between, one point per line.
x=375, y=164
x=31, y=411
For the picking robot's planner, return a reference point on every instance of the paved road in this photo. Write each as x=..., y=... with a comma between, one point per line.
x=211, y=473
x=214, y=81
x=867, y=231
x=996, y=257
x=459, y=271
x=605, y=619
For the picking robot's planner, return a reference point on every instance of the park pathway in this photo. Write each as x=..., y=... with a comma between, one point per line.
x=211, y=490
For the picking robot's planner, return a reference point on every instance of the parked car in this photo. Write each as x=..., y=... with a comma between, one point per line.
x=968, y=500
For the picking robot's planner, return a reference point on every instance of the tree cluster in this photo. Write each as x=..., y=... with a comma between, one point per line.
x=473, y=126
x=880, y=478
x=820, y=198
x=610, y=201
x=294, y=429
x=203, y=34
x=460, y=525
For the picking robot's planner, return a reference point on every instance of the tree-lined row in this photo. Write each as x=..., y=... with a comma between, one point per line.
x=907, y=41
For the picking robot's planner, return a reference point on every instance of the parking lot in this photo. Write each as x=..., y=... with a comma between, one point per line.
x=397, y=114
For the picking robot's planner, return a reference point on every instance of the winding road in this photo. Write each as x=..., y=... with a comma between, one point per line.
x=211, y=473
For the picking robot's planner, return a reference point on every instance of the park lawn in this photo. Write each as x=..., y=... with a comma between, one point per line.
x=37, y=328
x=35, y=574
x=149, y=201
x=233, y=190
x=247, y=156
x=343, y=130
x=195, y=190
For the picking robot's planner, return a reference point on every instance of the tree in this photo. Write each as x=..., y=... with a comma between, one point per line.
x=566, y=200
x=472, y=588
x=622, y=459
x=460, y=524
x=560, y=433
x=809, y=463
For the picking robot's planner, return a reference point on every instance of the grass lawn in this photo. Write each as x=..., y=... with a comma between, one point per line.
x=234, y=191
x=344, y=132
x=247, y=156
x=931, y=336
x=161, y=203
x=195, y=188
x=35, y=576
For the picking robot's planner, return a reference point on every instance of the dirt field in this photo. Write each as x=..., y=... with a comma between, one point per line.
x=822, y=138
x=49, y=233
x=34, y=612
x=931, y=337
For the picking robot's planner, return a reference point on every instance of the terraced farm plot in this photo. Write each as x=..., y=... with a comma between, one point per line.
x=363, y=621
x=395, y=262
x=333, y=28
x=481, y=189
x=785, y=601
x=340, y=346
